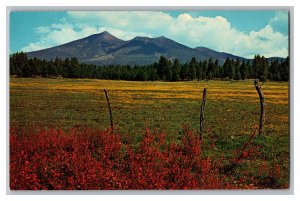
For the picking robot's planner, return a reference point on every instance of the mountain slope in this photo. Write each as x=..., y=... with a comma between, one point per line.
x=93, y=46
x=221, y=56
x=104, y=49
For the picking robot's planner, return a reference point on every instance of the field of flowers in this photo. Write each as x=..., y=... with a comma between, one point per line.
x=59, y=137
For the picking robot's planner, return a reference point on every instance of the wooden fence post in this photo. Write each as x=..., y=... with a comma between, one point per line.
x=202, y=112
x=109, y=108
x=262, y=107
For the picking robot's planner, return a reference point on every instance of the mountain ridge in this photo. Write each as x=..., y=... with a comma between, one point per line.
x=106, y=49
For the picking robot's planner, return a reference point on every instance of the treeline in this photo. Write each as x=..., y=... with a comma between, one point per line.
x=167, y=70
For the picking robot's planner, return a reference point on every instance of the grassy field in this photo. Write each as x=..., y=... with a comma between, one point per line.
x=231, y=112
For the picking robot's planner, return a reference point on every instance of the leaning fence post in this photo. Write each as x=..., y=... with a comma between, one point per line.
x=202, y=112
x=262, y=107
x=109, y=108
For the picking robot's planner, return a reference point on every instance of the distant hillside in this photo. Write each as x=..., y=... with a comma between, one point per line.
x=104, y=49
x=221, y=56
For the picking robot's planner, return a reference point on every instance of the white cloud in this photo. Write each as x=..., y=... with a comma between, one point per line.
x=215, y=33
x=270, y=42
x=34, y=47
x=43, y=29
x=58, y=34
x=280, y=22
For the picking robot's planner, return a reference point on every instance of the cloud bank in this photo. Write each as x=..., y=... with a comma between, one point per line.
x=212, y=32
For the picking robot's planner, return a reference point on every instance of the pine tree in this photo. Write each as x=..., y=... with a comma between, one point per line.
x=231, y=70
x=249, y=70
x=204, y=69
x=263, y=68
x=66, y=68
x=226, y=67
x=237, y=69
x=284, y=73
x=243, y=70
x=163, y=68
x=141, y=75
x=210, y=69
x=184, y=71
x=74, y=68
x=176, y=70
x=199, y=70
x=216, y=69
x=192, y=69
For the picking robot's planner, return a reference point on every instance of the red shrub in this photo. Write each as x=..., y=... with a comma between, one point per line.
x=93, y=160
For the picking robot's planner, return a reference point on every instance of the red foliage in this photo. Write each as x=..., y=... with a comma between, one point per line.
x=93, y=160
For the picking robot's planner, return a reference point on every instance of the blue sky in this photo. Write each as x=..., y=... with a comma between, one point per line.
x=244, y=33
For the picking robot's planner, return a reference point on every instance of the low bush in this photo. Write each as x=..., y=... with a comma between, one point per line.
x=103, y=160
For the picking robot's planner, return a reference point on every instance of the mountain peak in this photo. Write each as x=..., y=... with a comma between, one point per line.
x=104, y=35
x=105, y=32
